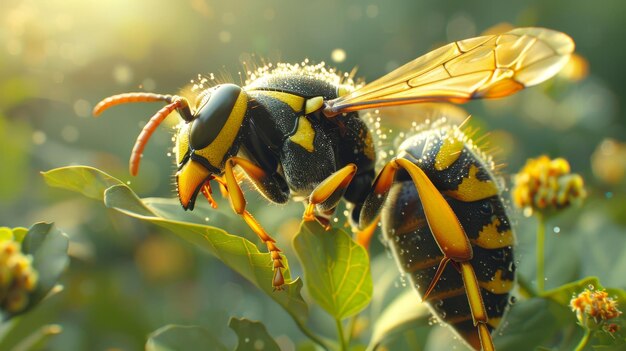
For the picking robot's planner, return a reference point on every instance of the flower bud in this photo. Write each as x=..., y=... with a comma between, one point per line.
x=547, y=184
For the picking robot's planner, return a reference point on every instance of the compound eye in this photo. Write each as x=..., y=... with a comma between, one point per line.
x=215, y=110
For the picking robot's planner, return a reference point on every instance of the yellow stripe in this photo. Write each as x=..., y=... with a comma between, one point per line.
x=294, y=101
x=497, y=285
x=449, y=152
x=305, y=134
x=473, y=189
x=313, y=104
x=490, y=238
x=218, y=148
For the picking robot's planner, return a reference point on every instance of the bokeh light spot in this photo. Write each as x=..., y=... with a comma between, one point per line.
x=69, y=133
x=338, y=55
x=148, y=84
x=82, y=108
x=122, y=74
x=39, y=137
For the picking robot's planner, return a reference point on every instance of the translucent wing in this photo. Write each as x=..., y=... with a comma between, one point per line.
x=483, y=67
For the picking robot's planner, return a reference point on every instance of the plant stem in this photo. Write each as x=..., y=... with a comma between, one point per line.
x=316, y=339
x=525, y=287
x=340, y=334
x=541, y=237
x=351, y=326
x=583, y=342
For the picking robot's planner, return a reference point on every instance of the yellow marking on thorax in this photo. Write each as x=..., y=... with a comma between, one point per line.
x=218, y=148
x=313, y=104
x=449, y=152
x=294, y=101
x=473, y=189
x=490, y=238
x=497, y=285
x=305, y=134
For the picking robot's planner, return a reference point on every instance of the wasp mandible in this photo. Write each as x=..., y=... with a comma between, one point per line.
x=296, y=132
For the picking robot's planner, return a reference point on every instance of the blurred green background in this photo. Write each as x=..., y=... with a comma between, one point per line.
x=126, y=279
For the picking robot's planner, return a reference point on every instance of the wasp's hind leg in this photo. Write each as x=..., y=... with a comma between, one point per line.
x=238, y=202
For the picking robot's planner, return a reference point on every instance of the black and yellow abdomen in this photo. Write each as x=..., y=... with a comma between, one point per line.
x=463, y=175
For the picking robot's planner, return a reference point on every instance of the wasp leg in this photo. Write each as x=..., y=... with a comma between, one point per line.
x=433, y=283
x=364, y=236
x=373, y=203
x=328, y=193
x=208, y=193
x=477, y=306
x=446, y=229
x=238, y=203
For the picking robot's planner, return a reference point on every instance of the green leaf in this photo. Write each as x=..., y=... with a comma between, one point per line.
x=564, y=293
x=48, y=246
x=531, y=323
x=336, y=269
x=252, y=335
x=236, y=252
x=406, y=321
x=178, y=337
x=88, y=181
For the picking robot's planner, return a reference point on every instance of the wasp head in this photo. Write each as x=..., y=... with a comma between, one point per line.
x=204, y=143
x=208, y=135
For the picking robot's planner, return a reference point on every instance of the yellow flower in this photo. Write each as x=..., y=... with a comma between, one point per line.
x=17, y=277
x=547, y=184
x=594, y=307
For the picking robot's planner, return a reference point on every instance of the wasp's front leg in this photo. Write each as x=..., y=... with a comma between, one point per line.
x=238, y=204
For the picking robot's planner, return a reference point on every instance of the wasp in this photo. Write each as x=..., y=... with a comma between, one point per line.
x=296, y=133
